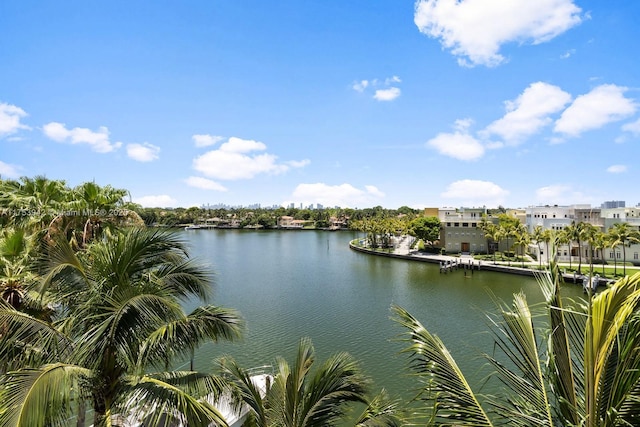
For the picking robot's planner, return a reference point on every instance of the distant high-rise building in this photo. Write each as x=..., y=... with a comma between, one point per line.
x=613, y=204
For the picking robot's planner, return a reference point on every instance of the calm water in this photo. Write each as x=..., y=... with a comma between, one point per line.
x=292, y=284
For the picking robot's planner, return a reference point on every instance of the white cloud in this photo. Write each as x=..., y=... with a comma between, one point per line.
x=9, y=171
x=529, y=112
x=390, y=80
x=99, y=141
x=204, y=183
x=360, y=86
x=617, y=169
x=603, y=105
x=473, y=192
x=206, y=140
x=161, y=201
x=143, y=152
x=560, y=194
x=235, y=159
x=298, y=163
x=459, y=145
x=345, y=195
x=387, y=94
x=383, y=89
x=10, y=117
x=475, y=30
x=567, y=54
x=633, y=127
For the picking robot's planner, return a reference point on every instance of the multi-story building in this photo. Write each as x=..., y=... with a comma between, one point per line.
x=460, y=232
x=612, y=204
x=550, y=217
x=559, y=217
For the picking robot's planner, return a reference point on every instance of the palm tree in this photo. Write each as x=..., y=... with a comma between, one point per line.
x=600, y=244
x=34, y=201
x=522, y=239
x=574, y=233
x=538, y=236
x=298, y=398
x=547, y=236
x=493, y=233
x=15, y=261
x=623, y=235
x=120, y=318
x=564, y=238
x=90, y=210
x=590, y=235
x=589, y=376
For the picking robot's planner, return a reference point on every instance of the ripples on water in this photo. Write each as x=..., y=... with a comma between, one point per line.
x=291, y=284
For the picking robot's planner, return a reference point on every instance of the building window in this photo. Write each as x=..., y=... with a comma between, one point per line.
x=635, y=255
x=618, y=255
x=465, y=224
x=456, y=224
x=611, y=254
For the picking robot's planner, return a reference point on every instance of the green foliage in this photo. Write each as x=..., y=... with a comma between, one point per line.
x=119, y=318
x=426, y=228
x=589, y=377
x=303, y=395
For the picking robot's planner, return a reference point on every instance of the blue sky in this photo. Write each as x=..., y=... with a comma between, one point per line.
x=356, y=104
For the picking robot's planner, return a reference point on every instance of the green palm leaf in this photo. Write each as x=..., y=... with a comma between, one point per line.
x=181, y=336
x=450, y=395
x=527, y=403
x=40, y=397
x=174, y=395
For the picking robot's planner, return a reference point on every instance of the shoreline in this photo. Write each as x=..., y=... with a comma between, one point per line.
x=468, y=262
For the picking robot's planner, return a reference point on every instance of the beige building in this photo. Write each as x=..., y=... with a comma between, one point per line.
x=460, y=232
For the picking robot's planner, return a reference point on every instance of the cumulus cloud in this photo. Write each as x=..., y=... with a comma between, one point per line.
x=98, y=141
x=387, y=94
x=10, y=117
x=344, y=195
x=459, y=145
x=383, y=90
x=603, y=105
x=392, y=80
x=552, y=193
x=560, y=194
x=633, y=127
x=9, y=171
x=204, y=183
x=161, y=201
x=617, y=169
x=360, y=86
x=238, y=159
x=529, y=112
x=472, y=192
x=475, y=30
x=143, y=152
x=206, y=140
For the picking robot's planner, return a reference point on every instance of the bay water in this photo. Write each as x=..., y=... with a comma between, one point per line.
x=293, y=284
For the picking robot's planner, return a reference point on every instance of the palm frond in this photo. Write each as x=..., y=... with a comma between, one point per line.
x=337, y=382
x=614, y=329
x=180, y=337
x=528, y=403
x=40, y=397
x=381, y=411
x=450, y=394
x=246, y=391
x=154, y=398
x=28, y=341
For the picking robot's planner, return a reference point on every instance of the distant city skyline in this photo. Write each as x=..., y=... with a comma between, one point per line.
x=353, y=104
